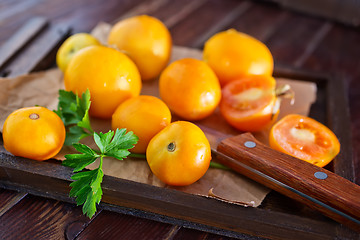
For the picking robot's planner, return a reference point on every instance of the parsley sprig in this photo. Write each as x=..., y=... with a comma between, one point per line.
x=74, y=112
x=87, y=185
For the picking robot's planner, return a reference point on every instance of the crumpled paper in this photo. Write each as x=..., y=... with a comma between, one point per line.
x=41, y=88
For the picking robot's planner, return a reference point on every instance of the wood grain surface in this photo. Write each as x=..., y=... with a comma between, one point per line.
x=295, y=40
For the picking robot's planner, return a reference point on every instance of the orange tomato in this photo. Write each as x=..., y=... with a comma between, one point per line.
x=33, y=132
x=179, y=154
x=146, y=40
x=190, y=88
x=304, y=138
x=145, y=116
x=248, y=103
x=233, y=55
x=110, y=76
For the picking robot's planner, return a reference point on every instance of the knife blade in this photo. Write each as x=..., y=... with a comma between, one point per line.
x=316, y=187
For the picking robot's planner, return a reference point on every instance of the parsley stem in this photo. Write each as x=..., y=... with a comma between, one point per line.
x=218, y=165
x=101, y=161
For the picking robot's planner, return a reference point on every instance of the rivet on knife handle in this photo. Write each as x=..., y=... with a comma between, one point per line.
x=334, y=196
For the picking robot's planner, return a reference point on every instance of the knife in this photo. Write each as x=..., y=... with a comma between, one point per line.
x=316, y=187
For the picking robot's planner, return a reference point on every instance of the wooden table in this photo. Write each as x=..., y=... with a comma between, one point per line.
x=295, y=40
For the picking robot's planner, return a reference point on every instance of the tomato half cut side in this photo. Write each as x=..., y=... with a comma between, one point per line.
x=304, y=138
x=247, y=104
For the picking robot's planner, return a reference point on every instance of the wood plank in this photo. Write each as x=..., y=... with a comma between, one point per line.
x=219, y=25
x=43, y=218
x=110, y=225
x=95, y=11
x=177, y=11
x=290, y=40
x=24, y=35
x=8, y=199
x=187, y=233
x=260, y=21
x=146, y=7
x=88, y=13
x=17, y=8
x=345, y=11
x=186, y=33
x=32, y=57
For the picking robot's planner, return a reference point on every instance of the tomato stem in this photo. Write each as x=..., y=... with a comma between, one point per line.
x=171, y=147
x=285, y=91
x=34, y=116
x=282, y=91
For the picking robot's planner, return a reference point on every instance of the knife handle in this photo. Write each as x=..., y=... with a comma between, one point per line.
x=325, y=191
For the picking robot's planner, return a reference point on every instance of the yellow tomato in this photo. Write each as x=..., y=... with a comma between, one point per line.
x=248, y=103
x=190, y=88
x=71, y=46
x=110, y=76
x=233, y=55
x=34, y=132
x=304, y=138
x=145, y=116
x=179, y=154
x=147, y=42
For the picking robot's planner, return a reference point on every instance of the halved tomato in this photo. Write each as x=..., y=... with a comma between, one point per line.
x=248, y=103
x=304, y=138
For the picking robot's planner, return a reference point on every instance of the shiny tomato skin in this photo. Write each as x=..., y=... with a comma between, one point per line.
x=34, y=132
x=110, y=76
x=179, y=154
x=144, y=115
x=190, y=88
x=304, y=138
x=247, y=104
x=233, y=55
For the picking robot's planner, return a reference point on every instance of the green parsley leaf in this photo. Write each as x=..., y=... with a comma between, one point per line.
x=74, y=134
x=87, y=185
x=80, y=161
x=87, y=189
x=122, y=141
x=103, y=140
x=74, y=112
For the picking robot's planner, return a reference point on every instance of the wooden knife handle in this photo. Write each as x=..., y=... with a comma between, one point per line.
x=320, y=185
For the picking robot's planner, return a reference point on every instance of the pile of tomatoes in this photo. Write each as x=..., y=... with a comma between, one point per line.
x=235, y=76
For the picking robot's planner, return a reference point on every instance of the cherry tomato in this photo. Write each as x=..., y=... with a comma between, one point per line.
x=233, y=55
x=110, y=76
x=248, y=103
x=179, y=154
x=146, y=40
x=190, y=88
x=304, y=138
x=34, y=132
x=145, y=116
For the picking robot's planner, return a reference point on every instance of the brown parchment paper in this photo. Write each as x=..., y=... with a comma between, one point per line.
x=41, y=88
